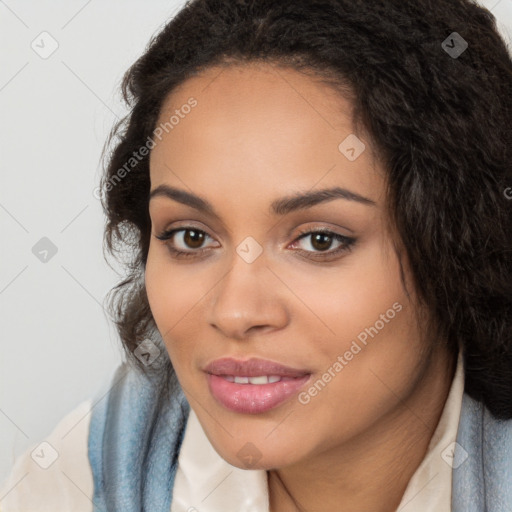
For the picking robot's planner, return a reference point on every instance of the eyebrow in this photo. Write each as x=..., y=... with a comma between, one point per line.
x=282, y=206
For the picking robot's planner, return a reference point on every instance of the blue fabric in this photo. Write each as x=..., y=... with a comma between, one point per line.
x=134, y=448
x=483, y=481
x=134, y=444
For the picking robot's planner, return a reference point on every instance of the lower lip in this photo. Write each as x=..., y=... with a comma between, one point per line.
x=253, y=398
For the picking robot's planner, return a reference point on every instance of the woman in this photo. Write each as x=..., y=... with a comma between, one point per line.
x=319, y=304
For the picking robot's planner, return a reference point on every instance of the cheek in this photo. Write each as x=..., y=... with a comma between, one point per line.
x=371, y=343
x=345, y=300
x=176, y=295
x=172, y=288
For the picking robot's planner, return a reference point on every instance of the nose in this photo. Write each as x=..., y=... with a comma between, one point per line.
x=248, y=300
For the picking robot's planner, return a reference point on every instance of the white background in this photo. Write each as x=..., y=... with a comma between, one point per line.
x=58, y=347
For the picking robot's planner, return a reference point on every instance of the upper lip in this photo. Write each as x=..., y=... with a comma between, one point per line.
x=253, y=367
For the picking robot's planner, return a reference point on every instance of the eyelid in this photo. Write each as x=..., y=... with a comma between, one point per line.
x=346, y=242
x=166, y=234
x=184, y=225
x=316, y=228
x=330, y=255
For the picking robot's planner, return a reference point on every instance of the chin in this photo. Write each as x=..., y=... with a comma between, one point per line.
x=246, y=454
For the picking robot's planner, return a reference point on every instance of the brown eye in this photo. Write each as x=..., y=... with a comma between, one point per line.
x=321, y=241
x=184, y=240
x=319, y=244
x=193, y=238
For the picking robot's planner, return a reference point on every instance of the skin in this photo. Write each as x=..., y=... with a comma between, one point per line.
x=259, y=133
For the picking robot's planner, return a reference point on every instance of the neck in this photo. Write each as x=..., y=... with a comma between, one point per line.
x=370, y=472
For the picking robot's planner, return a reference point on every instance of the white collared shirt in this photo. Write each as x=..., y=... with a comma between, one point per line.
x=204, y=482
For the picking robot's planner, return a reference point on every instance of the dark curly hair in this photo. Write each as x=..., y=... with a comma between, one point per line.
x=439, y=121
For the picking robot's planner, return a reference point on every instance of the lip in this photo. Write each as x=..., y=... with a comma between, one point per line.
x=253, y=398
x=252, y=368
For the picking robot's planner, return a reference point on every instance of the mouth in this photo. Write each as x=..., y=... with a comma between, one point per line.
x=253, y=386
x=258, y=381
x=254, y=367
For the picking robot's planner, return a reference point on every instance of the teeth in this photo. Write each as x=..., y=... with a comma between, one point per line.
x=259, y=380
x=262, y=379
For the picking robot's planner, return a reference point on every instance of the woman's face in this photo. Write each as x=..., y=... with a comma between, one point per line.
x=250, y=141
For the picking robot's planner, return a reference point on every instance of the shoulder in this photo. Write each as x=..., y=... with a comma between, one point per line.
x=54, y=473
x=482, y=466
x=478, y=423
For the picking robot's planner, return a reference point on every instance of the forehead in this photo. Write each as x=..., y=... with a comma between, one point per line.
x=279, y=99
x=259, y=125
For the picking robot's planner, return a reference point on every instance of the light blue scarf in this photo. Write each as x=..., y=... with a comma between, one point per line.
x=134, y=444
x=134, y=447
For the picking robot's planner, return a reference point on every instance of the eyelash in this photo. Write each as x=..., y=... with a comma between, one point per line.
x=346, y=246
